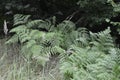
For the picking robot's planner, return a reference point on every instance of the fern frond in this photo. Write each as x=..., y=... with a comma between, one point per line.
x=85, y=64
x=13, y=39
x=36, y=34
x=102, y=40
x=66, y=26
x=20, y=19
x=18, y=29
x=34, y=23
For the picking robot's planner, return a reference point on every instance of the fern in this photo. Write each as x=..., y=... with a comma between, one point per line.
x=66, y=26
x=85, y=64
x=96, y=61
x=20, y=19
x=36, y=44
x=84, y=55
x=102, y=40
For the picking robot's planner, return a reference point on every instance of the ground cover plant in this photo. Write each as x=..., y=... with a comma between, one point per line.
x=65, y=40
x=83, y=54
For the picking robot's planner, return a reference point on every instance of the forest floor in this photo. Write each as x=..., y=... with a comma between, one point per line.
x=13, y=66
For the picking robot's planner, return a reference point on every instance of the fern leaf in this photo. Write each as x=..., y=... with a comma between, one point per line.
x=34, y=23
x=18, y=29
x=13, y=39
x=20, y=19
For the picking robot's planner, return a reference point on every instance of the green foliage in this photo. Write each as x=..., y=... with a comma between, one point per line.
x=117, y=24
x=116, y=6
x=97, y=62
x=102, y=40
x=85, y=13
x=84, y=55
x=36, y=44
x=96, y=11
x=20, y=19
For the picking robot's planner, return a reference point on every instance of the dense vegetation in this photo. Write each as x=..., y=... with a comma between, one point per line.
x=82, y=34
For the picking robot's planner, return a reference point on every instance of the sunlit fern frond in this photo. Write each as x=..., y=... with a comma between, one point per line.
x=85, y=64
x=102, y=40
x=35, y=43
